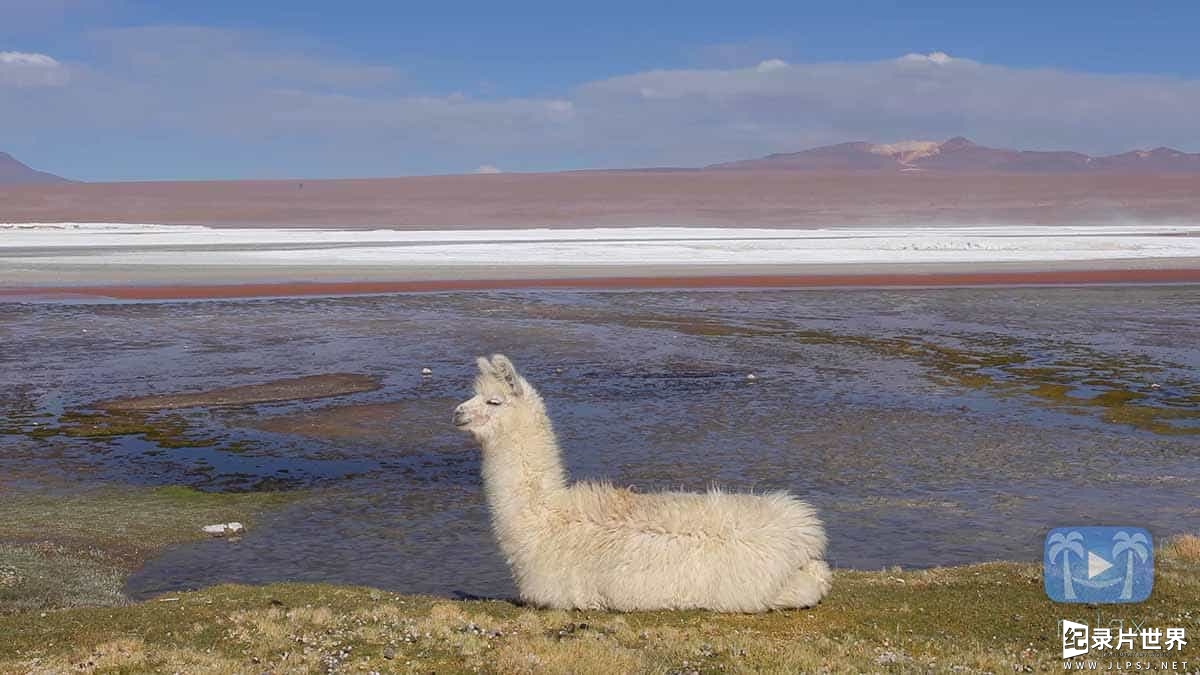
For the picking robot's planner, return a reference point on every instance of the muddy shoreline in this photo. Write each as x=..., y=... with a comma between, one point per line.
x=1061, y=277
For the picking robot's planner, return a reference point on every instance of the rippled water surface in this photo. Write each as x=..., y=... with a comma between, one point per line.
x=930, y=427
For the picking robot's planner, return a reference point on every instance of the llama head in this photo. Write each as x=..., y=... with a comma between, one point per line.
x=502, y=399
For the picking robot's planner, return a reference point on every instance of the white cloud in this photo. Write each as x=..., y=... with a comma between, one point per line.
x=24, y=69
x=487, y=168
x=219, y=89
x=700, y=115
x=25, y=59
x=770, y=64
x=939, y=58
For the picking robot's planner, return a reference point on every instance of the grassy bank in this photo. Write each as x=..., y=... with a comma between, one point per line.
x=63, y=559
x=76, y=549
x=981, y=618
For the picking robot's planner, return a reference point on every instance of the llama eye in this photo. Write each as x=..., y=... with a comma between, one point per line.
x=494, y=401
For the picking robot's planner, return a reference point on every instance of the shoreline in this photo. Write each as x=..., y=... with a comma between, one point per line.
x=258, y=289
x=149, y=261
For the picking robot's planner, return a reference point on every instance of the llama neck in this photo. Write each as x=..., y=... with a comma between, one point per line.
x=522, y=468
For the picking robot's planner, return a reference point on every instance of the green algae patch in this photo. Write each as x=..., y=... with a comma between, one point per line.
x=1167, y=422
x=164, y=431
x=1059, y=393
x=1115, y=397
x=990, y=617
x=289, y=389
x=153, y=417
x=1052, y=372
x=997, y=365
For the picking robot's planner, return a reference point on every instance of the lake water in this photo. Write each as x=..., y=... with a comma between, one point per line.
x=930, y=427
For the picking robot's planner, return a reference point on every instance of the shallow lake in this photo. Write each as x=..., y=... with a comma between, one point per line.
x=930, y=427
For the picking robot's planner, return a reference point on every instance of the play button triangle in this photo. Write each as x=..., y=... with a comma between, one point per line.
x=1096, y=565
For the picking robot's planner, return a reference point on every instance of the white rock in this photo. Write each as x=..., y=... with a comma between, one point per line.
x=426, y=371
x=751, y=377
x=222, y=529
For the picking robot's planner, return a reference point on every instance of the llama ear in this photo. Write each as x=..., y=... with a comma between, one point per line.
x=507, y=374
x=485, y=367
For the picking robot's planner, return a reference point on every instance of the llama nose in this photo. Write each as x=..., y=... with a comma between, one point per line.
x=460, y=417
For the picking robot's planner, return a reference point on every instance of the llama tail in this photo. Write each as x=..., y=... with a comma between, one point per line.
x=806, y=587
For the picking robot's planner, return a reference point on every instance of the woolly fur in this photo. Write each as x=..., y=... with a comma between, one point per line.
x=595, y=546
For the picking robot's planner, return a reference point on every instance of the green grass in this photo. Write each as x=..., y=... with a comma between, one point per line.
x=47, y=576
x=128, y=524
x=65, y=551
x=63, y=559
x=991, y=617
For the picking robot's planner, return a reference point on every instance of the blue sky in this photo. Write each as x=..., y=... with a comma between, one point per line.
x=122, y=89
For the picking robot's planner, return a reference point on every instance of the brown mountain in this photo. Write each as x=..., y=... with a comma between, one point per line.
x=13, y=172
x=959, y=155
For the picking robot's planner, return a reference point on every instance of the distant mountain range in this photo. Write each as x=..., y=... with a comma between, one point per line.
x=955, y=156
x=959, y=155
x=13, y=172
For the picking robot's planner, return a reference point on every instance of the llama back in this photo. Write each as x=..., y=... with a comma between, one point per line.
x=773, y=518
x=676, y=549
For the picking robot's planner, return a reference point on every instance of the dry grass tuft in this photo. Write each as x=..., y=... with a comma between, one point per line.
x=1184, y=548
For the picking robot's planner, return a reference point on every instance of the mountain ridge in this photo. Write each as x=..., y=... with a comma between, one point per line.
x=14, y=172
x=961, y=155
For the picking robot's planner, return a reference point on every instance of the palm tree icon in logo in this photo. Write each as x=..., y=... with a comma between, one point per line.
x=1065, y=545
x=1131, y=546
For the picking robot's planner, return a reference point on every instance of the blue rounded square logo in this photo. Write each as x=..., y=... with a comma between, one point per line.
x=1094, y=565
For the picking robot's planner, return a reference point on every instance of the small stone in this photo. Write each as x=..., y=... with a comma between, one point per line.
x=888, y=657
x=389, y=653
x=426, y=372
x=222, y=529
x=751, y=377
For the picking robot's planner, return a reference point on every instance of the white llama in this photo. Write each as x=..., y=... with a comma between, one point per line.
x=594, y=546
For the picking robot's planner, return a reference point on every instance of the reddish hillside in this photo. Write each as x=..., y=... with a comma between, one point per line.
x=13, y=172
x=959, y=155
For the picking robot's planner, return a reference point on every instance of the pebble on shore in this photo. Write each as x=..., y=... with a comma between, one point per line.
x=223, y=529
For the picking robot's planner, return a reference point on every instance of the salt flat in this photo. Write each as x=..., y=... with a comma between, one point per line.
x=27, y=248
